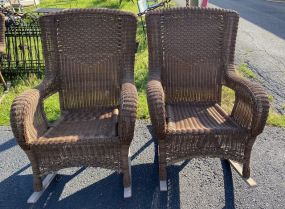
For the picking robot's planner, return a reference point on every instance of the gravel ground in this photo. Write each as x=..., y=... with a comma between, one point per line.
x=260, y=42
x=199, y=183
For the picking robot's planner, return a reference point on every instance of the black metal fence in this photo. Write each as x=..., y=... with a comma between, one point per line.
x=23, y=50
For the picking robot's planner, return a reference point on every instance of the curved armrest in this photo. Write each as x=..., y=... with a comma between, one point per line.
x=127, y=112
x=156, y=105
x=251, y=105
x=28, y=120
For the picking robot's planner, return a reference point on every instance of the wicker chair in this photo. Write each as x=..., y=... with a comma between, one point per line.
x=191, y=56
x=89, y=57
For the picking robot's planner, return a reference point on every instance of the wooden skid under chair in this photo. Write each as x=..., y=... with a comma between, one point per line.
x=89, y=56
x=191, y=56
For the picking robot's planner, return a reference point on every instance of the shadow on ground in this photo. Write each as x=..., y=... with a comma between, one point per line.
x=7, y=145
x=108, y=192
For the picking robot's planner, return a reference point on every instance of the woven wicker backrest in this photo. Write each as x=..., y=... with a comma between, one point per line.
x=189, y=49
x=91, y=51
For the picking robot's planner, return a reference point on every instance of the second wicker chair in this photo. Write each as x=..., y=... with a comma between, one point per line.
x=191, y=56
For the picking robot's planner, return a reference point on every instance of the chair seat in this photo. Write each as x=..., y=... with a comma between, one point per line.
x=82, y=126
x=200, y=119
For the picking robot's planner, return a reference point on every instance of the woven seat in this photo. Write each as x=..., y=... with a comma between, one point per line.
x=82, y=126
x=191, y=56
x=200, y=119
x=89, y=58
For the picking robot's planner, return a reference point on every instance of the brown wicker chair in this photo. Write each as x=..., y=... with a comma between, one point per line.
x=89, y=57
x=191, y=56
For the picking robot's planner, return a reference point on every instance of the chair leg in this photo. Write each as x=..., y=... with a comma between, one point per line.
x=37, y=183
x=240, y=170
x=162, y=178
x=246, y=170
x=162, y=167
x=127, y=180
x=247, y=153
x=40, y=184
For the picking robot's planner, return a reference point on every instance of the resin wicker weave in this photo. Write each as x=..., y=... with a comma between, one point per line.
x=89, y=57
x=191, y=56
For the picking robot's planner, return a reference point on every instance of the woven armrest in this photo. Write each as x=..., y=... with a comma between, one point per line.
x=251, y=105
x=127, y=112
x=28, y=120
x=156, y=105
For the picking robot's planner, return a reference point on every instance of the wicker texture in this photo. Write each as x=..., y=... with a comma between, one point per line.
x=2, y=34
x=191, y=55
x=89, y=55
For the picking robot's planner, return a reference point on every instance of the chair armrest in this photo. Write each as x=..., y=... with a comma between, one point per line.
x=127, y=112
x=28, y=120
x=156, y=105
x=251, y=105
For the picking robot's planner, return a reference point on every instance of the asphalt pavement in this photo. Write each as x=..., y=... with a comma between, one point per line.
x=199, y=183
x=260, y=42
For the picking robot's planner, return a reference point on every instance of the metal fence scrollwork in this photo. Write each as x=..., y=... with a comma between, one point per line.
x=23, y=46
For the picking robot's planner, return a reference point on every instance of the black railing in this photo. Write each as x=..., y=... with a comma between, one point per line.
x=23, y=49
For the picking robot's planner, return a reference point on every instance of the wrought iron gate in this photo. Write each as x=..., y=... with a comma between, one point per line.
x=23, y=50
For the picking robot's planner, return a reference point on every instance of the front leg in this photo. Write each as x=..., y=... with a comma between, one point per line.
x=126, y=166
x=162, y=166
x=45, y=183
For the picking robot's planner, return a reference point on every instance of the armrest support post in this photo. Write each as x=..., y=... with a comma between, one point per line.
x=127, y=112
x=156, y=104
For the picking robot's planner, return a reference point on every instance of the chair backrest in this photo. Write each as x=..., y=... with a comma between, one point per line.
x=189, y=49
x=90, y=51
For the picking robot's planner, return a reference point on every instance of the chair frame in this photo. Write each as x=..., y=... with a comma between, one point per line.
x=29, y=122
x=250, y=96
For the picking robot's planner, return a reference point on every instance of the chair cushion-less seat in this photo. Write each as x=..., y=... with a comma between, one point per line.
x=202, y=130
x=80, y=136
x=200, y=119
x=81, y=126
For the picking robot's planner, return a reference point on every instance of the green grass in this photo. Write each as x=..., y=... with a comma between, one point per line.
x=270, y=98
x=228, y=99
x=244, y=69
x=52, y=108
x=19, y=86
x=275, y=119
x=141, y=68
